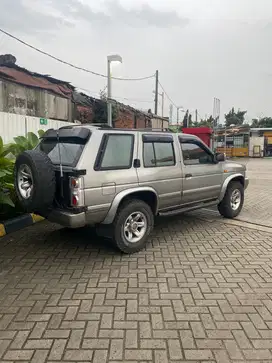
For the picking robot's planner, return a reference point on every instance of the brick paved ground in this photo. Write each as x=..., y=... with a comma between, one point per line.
x=258, y=198
x=201, y=292
x=258, y=203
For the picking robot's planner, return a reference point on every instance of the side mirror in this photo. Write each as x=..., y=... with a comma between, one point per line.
x=220, y=157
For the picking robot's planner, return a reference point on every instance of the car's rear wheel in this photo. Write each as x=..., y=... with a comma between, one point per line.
x=233, y=201
x=132, y=226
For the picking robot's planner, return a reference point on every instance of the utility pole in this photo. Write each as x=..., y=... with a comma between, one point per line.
x=170, y=114
x=156, y=92
x=196, y=116
x=162, y=103
x=109, y=105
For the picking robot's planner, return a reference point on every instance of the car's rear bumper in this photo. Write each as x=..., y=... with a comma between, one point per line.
x=246, y=183
x=67, y=219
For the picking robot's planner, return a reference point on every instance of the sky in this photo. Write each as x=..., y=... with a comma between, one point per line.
x=201, y=48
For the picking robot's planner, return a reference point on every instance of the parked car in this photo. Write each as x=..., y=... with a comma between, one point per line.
x=120, y=179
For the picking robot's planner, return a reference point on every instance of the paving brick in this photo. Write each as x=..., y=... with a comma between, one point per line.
x=138, y=355
x=116, y=349
x=174, y=349
x=57, y=349
x=131, y=339
x=75, y=339
x=78, y=355
x=204, y=354
x=40, y=356
x=39, y=344
x=17, y=355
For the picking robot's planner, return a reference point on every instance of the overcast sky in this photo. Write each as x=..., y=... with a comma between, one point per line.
x=202, y=48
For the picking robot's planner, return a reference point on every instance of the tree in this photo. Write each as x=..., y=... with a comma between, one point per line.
x=262, y=122
x=235, y=118
x=100, y=109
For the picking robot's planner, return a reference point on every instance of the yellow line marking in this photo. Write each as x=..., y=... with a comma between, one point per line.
x=2, y=230
x=36, y=218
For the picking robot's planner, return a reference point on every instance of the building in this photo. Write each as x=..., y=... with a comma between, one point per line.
x=31, y=94
x=244, y=141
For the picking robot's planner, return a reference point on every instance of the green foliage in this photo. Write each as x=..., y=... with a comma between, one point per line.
x=100, y=109
x=22, y=143
x=6, y=174
x=175, y=129
x=262, y=122
x=7, y=158
x=235, y=118
x=204, y=123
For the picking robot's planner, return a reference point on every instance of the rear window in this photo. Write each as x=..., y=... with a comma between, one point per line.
x=69, y=152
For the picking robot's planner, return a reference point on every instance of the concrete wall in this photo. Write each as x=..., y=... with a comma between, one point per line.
x=12, y=125
x=159, y=123
x=255, y=140
x=27, y=101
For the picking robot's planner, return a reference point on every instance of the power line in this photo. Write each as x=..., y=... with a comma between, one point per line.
x=166, y=94
x=115, y=97
x=70, y=64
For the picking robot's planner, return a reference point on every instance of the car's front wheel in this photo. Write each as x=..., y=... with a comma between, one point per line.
x=132, y=226
x=232, y=203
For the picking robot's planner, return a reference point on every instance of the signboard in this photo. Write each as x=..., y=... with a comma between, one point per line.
x=43, y=121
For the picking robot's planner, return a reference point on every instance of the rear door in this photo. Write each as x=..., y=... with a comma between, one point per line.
x=160, y=167
x=110, y=170
x=202, y=174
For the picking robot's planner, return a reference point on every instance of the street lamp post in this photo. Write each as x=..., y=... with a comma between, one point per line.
x=111, y=58
x=179, y=108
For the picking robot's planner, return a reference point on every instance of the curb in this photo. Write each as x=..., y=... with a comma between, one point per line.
x=15, y=224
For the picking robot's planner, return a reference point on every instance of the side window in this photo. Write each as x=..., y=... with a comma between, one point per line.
x=195, y=154
x=116, y=152
x=157, y=154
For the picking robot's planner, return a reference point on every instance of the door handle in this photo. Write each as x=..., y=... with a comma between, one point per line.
x=188, y=175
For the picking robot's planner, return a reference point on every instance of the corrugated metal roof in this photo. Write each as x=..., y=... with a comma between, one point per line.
x=26, y=78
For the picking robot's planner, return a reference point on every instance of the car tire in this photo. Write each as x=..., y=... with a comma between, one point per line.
x=232, y=203
x=132, y=226
x=35, y=182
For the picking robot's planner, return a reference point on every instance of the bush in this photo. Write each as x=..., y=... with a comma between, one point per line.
x=9, y=206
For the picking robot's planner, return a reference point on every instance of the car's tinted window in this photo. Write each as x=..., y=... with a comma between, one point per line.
x=158, y=154
x=67, y=153
x=195, y=154
x=118, y=152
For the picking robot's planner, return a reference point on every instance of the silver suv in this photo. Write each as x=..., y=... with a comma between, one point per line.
x=120, y=179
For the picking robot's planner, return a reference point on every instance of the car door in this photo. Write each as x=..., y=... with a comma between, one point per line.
x=203, y=175
x=112, y=167
x=160, y=167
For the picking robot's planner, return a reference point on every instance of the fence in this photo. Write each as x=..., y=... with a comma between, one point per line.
x=12, y=125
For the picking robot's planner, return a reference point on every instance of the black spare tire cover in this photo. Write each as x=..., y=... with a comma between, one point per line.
x=35, y=181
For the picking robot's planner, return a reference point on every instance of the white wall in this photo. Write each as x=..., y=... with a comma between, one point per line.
x=255, y=140
x=12, y=125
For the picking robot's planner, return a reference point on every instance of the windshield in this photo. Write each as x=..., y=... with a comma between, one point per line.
x=68, y=152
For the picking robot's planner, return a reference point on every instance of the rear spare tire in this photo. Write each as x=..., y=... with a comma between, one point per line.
x=35, y=182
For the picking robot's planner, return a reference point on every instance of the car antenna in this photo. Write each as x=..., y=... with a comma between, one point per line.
x=61, y=169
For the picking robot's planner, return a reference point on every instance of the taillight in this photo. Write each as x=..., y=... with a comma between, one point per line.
x=77, y=192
